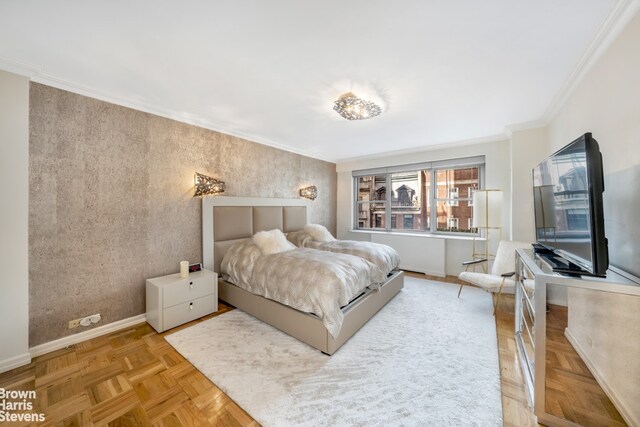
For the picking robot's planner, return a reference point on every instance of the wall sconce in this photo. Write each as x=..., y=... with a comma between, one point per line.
x=310, y=192
x=206, y=185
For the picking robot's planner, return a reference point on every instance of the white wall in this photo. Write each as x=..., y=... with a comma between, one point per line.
x=607, y=103
x=14, y=191
x=497, y=175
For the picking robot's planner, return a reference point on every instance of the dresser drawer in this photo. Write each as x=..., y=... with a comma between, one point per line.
x=184, y=290
x=188, y=311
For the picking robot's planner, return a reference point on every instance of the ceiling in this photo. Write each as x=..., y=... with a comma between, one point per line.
x=269, y=71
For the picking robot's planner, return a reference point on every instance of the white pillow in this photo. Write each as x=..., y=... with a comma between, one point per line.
x=272, y=242
x=318, y=233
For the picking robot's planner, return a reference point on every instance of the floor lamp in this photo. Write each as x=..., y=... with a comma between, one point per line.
x=487, y=216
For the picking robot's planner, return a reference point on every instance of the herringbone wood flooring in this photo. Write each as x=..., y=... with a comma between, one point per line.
x=133, y=377
x=571, y=390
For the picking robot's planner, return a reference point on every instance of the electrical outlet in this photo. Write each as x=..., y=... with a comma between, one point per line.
x=74, y=323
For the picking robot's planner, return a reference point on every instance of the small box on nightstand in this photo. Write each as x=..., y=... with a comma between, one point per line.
x=172, y=301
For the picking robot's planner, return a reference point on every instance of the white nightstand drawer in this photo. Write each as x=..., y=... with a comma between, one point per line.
x=184, y=290
x=188, y=311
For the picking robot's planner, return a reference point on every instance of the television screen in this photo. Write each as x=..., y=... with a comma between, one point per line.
x=567, y=193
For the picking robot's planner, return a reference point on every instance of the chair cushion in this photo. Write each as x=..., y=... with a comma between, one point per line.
x=505, y=261
x=488, y=282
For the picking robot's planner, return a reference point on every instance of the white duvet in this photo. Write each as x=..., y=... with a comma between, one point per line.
x=384, y=257
x=308, y=280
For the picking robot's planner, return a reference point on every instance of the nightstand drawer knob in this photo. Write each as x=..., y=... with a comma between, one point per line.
x=190, y=306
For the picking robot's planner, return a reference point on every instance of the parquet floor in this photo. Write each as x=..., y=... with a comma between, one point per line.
x=133, y=377
x=571, y=390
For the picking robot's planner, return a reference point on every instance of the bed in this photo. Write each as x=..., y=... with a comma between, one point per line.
x=229, y=220
x=384, y=257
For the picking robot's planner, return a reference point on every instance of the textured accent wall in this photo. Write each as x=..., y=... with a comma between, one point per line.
x=110, y=202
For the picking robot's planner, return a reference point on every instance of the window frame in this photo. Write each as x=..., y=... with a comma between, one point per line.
x=431, y=168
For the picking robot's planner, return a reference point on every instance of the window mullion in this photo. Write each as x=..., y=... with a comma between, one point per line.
x=387, y=223
x=356, y=206
x=433, y=215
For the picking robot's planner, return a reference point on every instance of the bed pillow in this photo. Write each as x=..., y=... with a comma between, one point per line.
x=272, y=242
x=318, y=233
x=299, y=238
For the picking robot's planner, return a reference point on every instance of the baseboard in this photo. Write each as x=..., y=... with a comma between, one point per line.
x=87, y=335
x=621, y=407
x=14, y=362
x=423, y=271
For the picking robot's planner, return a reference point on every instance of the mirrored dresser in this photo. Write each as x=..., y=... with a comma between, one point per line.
x=578, y=342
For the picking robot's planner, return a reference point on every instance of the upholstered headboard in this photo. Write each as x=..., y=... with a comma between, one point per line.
x=227, y=220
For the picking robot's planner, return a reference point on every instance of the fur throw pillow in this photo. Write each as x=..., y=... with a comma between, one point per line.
x=318, y=233
x=272, y=241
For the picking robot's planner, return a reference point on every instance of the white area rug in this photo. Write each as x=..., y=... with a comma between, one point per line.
x=427, y=358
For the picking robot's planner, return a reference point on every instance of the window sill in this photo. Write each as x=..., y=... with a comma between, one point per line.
x=423, y=235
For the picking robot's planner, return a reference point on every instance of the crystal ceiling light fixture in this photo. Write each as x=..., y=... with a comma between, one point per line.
x=351, y=107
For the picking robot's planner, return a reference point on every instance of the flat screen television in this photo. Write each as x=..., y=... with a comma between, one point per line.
x=569, y=217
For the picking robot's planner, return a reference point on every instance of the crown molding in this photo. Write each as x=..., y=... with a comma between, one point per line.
x=38, y=76
x=612, y=26
x=519, y=127
x=445, y=145
x=20, y=68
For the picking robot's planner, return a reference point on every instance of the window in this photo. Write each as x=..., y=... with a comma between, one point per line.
x=453, y=196
x=408, y=222
x=427, y=197
x=372, y=201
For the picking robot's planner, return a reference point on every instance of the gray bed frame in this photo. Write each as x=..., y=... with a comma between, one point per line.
x=227, y=220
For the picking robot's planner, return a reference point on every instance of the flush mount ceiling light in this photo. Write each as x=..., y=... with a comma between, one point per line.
x=351, y=107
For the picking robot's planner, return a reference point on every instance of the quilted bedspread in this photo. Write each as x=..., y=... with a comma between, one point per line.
x=385, y=257
x=306, y=279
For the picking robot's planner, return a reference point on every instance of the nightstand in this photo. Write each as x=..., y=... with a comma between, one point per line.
x=172, y=301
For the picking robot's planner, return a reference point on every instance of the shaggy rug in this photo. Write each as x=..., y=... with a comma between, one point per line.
x=427, y=358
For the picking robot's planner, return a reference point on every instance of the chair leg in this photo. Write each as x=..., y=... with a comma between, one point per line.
x=466, y=268
x=495, y=306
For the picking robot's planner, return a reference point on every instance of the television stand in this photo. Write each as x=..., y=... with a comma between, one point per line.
x=602, y=313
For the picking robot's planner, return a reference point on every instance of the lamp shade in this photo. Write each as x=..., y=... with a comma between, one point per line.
x=487, y=208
